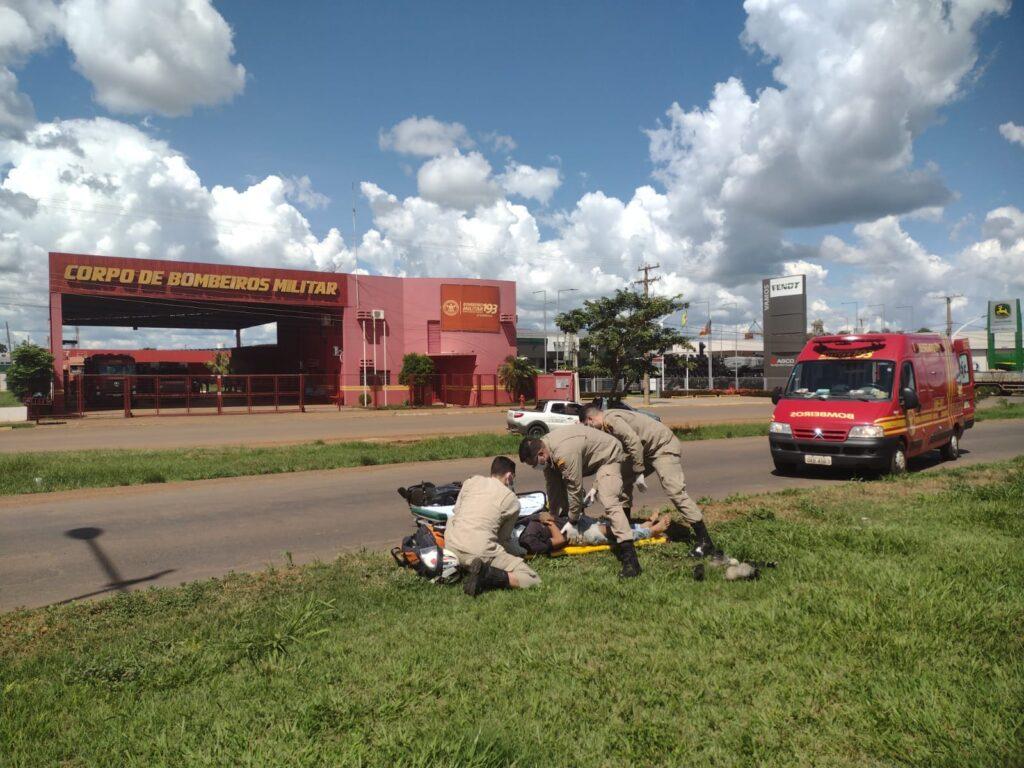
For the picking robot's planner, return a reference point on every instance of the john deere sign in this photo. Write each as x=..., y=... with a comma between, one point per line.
x=1004, y=320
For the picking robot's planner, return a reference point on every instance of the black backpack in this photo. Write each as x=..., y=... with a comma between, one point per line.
x=427, y=494
x=423, y=552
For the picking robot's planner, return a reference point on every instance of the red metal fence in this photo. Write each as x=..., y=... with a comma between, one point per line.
x=181, y=395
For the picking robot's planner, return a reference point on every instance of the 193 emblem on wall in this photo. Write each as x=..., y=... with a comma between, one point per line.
x=450, y=308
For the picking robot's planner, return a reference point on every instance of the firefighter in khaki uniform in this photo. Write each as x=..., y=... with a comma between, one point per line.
x=571, y=453
x=485, y=514
x=653, y=447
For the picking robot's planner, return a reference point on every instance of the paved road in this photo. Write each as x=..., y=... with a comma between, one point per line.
x=111, y=431
x=127, y=538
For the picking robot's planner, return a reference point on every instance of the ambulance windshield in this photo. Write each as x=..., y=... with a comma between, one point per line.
x=868, y=380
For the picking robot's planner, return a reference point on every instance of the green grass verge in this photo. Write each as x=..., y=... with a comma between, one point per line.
x=892, y=633
x=8, y=400
x=1003, y=410
x=58, y=471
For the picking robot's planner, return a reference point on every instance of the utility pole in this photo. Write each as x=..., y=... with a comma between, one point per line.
x=545, y=292
x=908, y=306
x=646, y=282
x=558, y=311
x=949, y=313
x=10, y=349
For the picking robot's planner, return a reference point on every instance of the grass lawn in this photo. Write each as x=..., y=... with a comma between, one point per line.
x=103, y=469
x=892, y=633
x=8, y=400
x=1002, y=410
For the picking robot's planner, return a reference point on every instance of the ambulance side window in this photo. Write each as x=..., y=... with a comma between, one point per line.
x=907, y=377
x=964, y=374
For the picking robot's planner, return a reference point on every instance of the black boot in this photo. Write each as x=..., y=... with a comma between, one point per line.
x=704, y=546
x=630, y=562
x=481, y=577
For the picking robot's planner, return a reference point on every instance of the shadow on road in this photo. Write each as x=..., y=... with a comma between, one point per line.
x=117, y=582
x=916, y=464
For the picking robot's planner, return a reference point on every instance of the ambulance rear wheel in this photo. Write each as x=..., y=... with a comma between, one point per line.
x=951, y=450
x=898, y=460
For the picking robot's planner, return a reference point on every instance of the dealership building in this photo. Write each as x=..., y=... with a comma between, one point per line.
x=344, y=334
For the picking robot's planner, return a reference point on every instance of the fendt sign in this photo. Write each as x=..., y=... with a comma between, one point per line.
x=470, y=308
x=97, y=275
x=784, y=302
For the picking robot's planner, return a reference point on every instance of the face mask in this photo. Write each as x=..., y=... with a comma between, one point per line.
x=540, y=465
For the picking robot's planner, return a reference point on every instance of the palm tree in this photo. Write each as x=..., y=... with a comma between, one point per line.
x=517, y=375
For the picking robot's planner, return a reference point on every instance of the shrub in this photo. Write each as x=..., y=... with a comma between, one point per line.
x=31, y=371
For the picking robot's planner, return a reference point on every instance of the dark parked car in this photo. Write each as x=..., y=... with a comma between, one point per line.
x=616, y=403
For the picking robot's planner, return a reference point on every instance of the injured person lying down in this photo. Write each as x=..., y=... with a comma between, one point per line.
x=546, y=534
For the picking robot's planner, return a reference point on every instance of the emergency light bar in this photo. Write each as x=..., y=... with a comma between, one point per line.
x=848, y=344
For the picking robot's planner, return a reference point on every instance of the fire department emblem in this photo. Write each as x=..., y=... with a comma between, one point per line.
x=450, y=308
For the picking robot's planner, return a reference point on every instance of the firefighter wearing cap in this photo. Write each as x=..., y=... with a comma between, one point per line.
x=481, y=526
x=653, y=447
x=571, y=453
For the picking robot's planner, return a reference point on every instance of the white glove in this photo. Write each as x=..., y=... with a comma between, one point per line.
x=589, y=498
x=641, y=484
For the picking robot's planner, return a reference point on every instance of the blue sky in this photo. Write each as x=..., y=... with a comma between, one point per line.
x=575, y=85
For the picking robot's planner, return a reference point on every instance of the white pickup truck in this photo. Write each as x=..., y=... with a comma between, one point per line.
x=548, y=415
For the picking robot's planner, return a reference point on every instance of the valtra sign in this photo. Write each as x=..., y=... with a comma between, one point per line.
x=470, y=308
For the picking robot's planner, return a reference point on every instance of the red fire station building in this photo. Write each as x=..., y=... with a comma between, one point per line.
x=346, y=332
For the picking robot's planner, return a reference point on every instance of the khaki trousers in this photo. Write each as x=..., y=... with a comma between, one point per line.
x=608, y=481
x=669, y=466
x=497, y=557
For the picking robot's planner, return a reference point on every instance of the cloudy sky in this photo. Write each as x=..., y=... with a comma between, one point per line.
x=876, y=146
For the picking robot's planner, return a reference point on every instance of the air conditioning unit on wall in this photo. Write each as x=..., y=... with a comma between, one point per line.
x=378, y=314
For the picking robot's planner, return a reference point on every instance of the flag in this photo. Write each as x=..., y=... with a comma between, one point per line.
x=706, y=330
x=682, y=319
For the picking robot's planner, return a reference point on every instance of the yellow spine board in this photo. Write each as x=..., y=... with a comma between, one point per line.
x=586, y=550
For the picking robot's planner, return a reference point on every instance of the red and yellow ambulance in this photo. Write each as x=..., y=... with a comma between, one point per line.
x=873, y=401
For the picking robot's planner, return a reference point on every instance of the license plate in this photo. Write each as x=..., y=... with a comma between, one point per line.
x=825, y=461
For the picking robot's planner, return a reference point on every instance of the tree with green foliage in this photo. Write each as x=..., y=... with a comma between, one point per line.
x=925, y=329
x=31, y=371
x=416, y=372
x=518, y=376
x=622, y=334
x=221, y=364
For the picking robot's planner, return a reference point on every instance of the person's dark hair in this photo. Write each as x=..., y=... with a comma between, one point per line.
x=589, y=411
x=502, y=465
x=528, y=450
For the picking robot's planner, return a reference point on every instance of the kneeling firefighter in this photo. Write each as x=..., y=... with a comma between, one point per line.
x=571, y=453
x=653, y=447
x=482, y=522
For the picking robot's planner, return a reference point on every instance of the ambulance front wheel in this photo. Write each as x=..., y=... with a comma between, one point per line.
x=951, y=450
x=898, y=460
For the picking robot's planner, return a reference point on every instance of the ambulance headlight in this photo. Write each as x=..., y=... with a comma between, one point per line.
x=779, y=428
x=869, y=430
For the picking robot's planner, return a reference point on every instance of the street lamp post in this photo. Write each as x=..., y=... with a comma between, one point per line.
x=856, y=314
x=558, y=311
x=545, y=292
x=883, y=314
x=736, y=370
x=911, y=308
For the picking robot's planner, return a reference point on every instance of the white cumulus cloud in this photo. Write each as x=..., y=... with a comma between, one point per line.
x=164, y=56
x=458, y=180
x=1012, y=132
x=425, y=137
x=526, y=181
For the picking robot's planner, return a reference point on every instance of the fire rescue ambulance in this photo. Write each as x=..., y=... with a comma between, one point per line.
x=873, y=401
